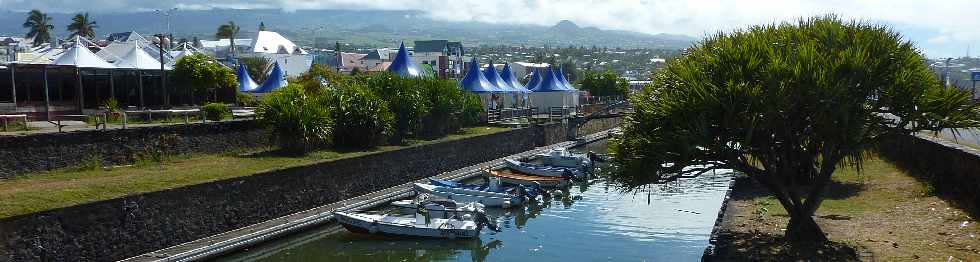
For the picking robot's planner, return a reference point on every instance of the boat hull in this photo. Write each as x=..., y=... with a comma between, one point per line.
x=529, y=180
x=458, y=195
x=376, y=224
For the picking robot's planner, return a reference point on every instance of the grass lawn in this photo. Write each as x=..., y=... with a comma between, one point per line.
x=70, y=186
x=882, y=212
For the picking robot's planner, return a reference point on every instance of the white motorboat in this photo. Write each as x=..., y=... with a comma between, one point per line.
x=561, y=157
x=440, y=208
x=492, y=199
x=418, y=226
x=544, y=170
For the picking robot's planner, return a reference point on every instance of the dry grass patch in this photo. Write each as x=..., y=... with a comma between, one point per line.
x=881, y=212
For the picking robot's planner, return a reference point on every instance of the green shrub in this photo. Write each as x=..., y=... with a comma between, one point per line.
x=216, y=111
x=406, y=101
x=246, y=99
x=362, y=119
x=299, y=121
x=472, y=109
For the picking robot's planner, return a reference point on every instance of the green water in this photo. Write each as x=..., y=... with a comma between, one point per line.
x=594, y=221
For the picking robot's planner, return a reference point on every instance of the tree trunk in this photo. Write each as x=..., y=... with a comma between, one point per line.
x=803, y=229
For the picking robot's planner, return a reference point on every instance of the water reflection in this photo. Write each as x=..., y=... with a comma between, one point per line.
x=590, y=221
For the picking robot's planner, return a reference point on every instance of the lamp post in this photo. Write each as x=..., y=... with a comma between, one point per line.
x=161, y=40
x=166, y=13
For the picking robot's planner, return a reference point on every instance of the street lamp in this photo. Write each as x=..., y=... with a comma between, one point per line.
x=167, y=13
x=161, y=40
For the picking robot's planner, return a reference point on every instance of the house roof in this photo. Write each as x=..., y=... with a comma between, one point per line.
x=274, y=43
x=431, y=46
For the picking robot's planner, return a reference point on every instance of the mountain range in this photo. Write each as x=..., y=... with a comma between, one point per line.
x=368, y=28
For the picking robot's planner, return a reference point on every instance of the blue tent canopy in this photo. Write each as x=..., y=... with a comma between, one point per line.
x=245, y=82
x=564, y=81
x=491, y=74
x=403, y=66
x=508, y=76
x=275, y=80
x=476, y=82
x=535, y=80
x=550, y=83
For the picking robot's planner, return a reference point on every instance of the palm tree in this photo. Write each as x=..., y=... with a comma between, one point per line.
x=39, y=27
x=229, y=30
x=82, y=25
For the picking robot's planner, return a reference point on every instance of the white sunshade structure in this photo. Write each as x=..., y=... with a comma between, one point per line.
x=77, y=56
x=139, y=60
x=273, y=43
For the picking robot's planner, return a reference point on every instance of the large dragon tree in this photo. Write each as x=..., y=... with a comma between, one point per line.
x=786, y=104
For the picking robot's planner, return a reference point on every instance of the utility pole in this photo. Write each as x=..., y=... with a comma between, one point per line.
x=162, y=41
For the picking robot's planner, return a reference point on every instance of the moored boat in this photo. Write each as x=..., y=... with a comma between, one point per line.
x=469, y=195
x=544, y=170
x=561, y=157
x=440, y=208
x=525, y=179
x=418, y=226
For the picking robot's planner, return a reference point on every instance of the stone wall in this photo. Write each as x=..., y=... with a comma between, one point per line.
x=128, y=226
x=38, y=152
x=952, y=169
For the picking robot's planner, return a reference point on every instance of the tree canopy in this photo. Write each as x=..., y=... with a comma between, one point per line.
x=785, y=104
x=38, y=27
x=605, y=83
x=82, y=25
x=204, y=74
x=230, y=31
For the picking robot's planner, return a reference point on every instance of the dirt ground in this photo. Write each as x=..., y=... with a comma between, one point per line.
x=879, y=214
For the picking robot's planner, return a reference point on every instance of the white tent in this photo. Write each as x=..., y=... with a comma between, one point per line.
x=273, y=43
x=140, y=60
x=79, y=56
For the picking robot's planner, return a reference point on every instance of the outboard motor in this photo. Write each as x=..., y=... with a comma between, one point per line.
x=482, y=220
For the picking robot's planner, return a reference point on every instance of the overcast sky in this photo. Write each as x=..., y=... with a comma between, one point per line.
x=941, y=28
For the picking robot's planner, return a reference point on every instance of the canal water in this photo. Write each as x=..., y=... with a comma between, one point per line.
x=593, y=221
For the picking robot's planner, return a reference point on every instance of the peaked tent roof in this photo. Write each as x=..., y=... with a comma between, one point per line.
x=402, y=65
x=491, y=74
x=275, y=80
x=535, y=80
x=79, y=56
x=272, y=43
x=511, y=79
x=550, y=83
x=139, y=59
x=564, y=81
x=245, y=82
x=476, y=82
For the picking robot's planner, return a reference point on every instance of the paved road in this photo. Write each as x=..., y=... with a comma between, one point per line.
x=963, y=136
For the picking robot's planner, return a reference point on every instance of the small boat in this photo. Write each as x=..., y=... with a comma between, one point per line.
x=532, y=180
x=419, y=226
x=487, y=198
x=561, y=157
x=440, y=208
x=544, y=170
x=493, y=185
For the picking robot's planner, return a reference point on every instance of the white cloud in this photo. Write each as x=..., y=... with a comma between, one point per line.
x=925, y=22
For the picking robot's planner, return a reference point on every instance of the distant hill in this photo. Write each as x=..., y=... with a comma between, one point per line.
x=367, y=28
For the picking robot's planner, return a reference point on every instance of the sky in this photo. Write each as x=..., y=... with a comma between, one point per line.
x=940, y=28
